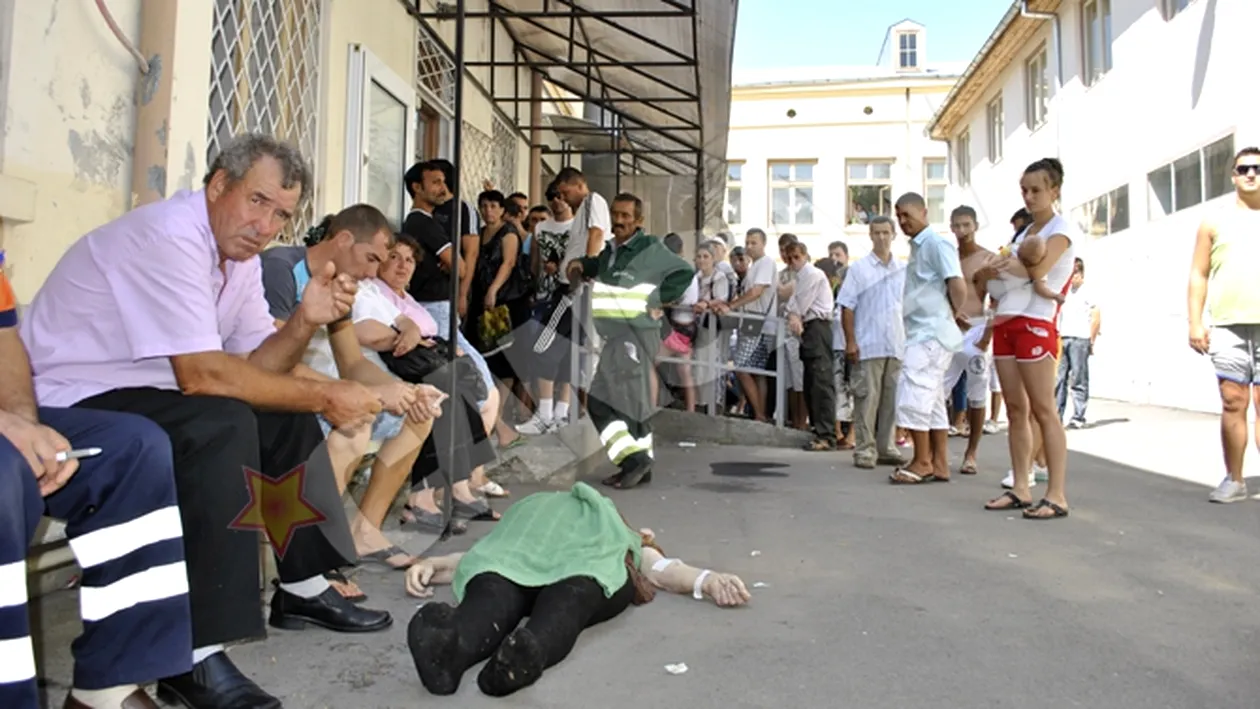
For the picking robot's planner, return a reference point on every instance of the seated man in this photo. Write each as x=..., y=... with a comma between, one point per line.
x=596, y=566
x=123, y=527
x=356, y=241
x=161, y=313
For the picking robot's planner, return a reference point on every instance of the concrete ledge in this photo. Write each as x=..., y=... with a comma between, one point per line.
x=679, y=426
x=574, y=452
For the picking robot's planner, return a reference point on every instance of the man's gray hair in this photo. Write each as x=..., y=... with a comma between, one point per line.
x=244, y=151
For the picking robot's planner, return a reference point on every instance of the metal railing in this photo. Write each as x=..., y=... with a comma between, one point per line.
x=716, y=362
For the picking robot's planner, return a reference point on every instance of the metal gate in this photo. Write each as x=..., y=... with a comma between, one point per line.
x=264, y=78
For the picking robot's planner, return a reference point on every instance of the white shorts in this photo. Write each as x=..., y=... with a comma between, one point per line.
x=921, y=389
x=995, y=386
x=795, y=367
x=977, y=364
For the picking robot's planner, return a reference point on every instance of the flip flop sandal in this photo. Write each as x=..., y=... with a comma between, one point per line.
x=430, y=522
x=475, y=511
x=818, y=445
x=902, y=476
x=381, y=557
x=968, y=469
x=516, y=443
x=493, y=489
x=1059, y=512
x=1015, y=503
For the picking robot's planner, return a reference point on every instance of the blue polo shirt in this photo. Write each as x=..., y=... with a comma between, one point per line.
x=926, y=309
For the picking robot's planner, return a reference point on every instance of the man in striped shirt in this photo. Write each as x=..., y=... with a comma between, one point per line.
x=874, y=342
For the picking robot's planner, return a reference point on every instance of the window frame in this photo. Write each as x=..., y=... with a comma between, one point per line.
x=995, y=126
x=1037, y=95
x=1095, y=68
x=869, y=181
x=792, y=184
x=737, y=184
x=365, y=71
x=911, y=52
x=1169, y=170
x=962, y=159
x=941, y=182
x=1086, y=214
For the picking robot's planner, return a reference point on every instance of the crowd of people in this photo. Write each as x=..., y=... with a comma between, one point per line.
x=169, y=351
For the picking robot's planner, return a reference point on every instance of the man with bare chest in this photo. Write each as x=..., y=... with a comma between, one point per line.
x=974, y=358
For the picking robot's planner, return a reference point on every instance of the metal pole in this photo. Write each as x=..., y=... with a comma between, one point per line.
x=457, y=231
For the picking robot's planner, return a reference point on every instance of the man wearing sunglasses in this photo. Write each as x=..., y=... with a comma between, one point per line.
x=1226, y=252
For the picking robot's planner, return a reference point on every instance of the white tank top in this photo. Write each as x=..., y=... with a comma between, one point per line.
x=1016, y=297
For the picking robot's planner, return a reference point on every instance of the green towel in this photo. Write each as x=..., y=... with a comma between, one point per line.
x=551, y=536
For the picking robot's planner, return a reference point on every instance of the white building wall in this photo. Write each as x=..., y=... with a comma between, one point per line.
x=1174, y=87
x=830, y=128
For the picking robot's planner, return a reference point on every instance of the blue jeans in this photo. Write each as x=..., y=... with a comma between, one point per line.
x=440, y=311
x=1074, y=374
x=958, y=402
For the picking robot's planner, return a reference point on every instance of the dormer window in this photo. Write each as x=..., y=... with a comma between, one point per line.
x=908, y=51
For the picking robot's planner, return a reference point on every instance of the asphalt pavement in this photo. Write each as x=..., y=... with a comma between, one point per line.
x=869, y=595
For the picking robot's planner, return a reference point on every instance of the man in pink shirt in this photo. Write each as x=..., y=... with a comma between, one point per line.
x=161, y=313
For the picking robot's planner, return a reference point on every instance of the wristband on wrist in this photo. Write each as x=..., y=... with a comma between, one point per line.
x=696, y=591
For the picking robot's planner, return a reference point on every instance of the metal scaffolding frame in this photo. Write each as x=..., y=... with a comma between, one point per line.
x=660, y=132
x=648, y=131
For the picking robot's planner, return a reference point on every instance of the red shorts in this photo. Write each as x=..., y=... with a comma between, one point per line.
x=1025, y=339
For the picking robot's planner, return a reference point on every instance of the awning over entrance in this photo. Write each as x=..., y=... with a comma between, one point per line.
x=660, y=70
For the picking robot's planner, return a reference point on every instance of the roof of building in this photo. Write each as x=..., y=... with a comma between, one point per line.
x=888, y=34
x=797, y=76
x=998, y=52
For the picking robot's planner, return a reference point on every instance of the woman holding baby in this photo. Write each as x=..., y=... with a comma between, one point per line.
x=1028, y=285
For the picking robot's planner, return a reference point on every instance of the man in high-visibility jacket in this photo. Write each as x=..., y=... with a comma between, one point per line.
x=633, y=278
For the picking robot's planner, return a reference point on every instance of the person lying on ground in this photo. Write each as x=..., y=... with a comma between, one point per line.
x=568, y=560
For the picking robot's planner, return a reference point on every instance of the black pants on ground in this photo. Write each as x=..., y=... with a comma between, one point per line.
x=215, y=441
x=492, y=608
x=620, y=401
x=820, y=379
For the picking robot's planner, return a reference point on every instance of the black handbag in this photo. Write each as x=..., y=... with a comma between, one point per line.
x=428, y=365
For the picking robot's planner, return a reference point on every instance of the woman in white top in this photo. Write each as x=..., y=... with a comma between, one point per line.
x=714, y=286
x=1025, y=342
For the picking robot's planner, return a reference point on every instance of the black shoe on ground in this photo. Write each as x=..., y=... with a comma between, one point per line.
x=327, y=610
x=215, y=683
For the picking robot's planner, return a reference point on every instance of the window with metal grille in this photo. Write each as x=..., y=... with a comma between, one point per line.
x=264, y=78
x=435, y=85
x=476, y=162
x=504, y=167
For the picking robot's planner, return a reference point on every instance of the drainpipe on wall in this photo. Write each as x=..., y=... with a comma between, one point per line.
x=535, y=138
x=909, y=149
x=169, y=149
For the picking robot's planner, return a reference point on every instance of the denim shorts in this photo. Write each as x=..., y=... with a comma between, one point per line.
x=385, y=427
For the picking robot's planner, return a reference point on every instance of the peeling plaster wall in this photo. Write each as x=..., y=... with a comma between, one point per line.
x=69, y=121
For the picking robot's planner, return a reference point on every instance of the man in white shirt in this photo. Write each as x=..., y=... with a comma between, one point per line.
x=794, y=367
x=1079, y=321
x=809, y=318
x=871, y=298
x=756, y=335
x=590, y=230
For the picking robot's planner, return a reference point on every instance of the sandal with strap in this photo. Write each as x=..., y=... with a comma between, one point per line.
x=1014, y=504
x=1032, y=512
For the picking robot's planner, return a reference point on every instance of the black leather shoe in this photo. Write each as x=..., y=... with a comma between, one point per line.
x=327, y=610
x=215, y=683
x=636, y=470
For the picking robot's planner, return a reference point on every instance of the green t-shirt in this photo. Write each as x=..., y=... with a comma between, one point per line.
x=550, y=536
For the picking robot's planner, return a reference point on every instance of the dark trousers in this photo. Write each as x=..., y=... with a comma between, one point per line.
x=124, y=528
x=820, y=379
x=216, y=442
x=620, y=401
x=493, y=606
x=1074, y=375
